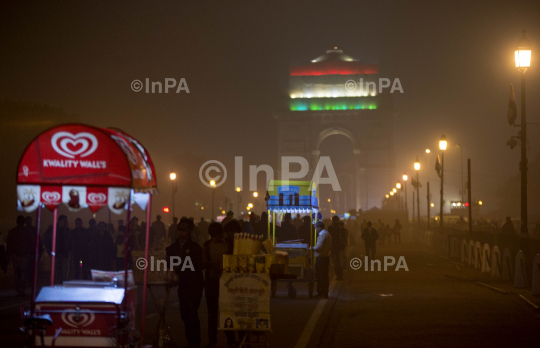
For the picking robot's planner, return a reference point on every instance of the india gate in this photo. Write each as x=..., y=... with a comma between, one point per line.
x=336, y=94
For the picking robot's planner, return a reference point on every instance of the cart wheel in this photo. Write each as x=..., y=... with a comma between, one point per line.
x=310, y=289
x=292, y=292
x=273, y=288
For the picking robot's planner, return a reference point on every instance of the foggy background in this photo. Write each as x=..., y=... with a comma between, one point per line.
x=74, y=62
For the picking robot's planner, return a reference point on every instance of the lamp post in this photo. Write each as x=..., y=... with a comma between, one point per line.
x=213, y=185
x=238, y=190
x=417, y=168
x=399, y=187
x=405, y=177
x=442, y=146
x=255, y=195
x=523, y=62
x=173, y=180
x=462, y=187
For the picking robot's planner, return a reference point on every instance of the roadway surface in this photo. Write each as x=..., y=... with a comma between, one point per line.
x=431, y=305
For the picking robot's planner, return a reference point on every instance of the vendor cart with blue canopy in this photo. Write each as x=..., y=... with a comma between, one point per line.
x=294, y=197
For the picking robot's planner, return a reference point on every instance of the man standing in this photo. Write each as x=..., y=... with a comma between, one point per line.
x=203, y=227
x=337, y=246
x=370, y=236
x=190, y=280
x=322, y=265
x=159, y=229
x=287, y=231
x=172, y=230
x=261, y=227
x=81, y=242
x=230, y=217
x=19, y=250
x=214, y=249
x=304, y=232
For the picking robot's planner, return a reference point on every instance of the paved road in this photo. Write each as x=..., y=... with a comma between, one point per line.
x=425, y=308
x=419, y=308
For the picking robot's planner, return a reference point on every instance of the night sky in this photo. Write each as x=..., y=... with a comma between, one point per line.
x=455, y=61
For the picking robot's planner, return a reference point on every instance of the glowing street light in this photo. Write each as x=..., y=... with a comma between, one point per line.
x=387, y=195
x=443, y=143
x=238, y=199
x=523, y=62
x=255, y=194
x=391, y=193
x=417, y=167
x=428, y=150
x=398, y=185
x=523, y=52
x=172, y=176
x=250, y=205
x=432, y=205
x=394, y=190
x=213, y=184
x=442, y=146
x=405, y=178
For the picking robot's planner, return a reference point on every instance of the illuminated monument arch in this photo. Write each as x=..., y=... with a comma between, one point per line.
x=323, y=103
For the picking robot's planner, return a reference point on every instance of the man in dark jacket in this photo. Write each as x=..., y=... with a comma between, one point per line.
x=81, y=243
x=287, y=231
x=305, y=231
x=370, y=236
x=19, y=250
x=190, y=279
x=337, y=246
x=261, y=227
x=214, y=249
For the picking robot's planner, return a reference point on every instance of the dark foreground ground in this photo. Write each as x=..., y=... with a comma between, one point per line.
x=431, y=305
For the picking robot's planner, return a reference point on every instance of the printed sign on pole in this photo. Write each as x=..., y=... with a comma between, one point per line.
x=244, y=301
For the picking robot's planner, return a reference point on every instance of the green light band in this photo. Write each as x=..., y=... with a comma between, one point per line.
x=345, y=103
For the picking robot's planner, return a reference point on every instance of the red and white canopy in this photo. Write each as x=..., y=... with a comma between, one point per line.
x=84, y=166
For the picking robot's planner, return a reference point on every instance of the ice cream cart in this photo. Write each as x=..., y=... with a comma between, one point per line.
x=85, y=167
x=294, y=197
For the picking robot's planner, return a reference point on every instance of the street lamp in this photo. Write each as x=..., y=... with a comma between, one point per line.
x=213, y=184
x=405, y=177
x=442, y=146
x=394, y=189
x=250, y=205
x=256, y=194
x=462, y=187
x=391, y=193
x=387, y=195
x=417, y=168
x=523, y=61
x=400, y=197
x=173, y=180
x=238, y=198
